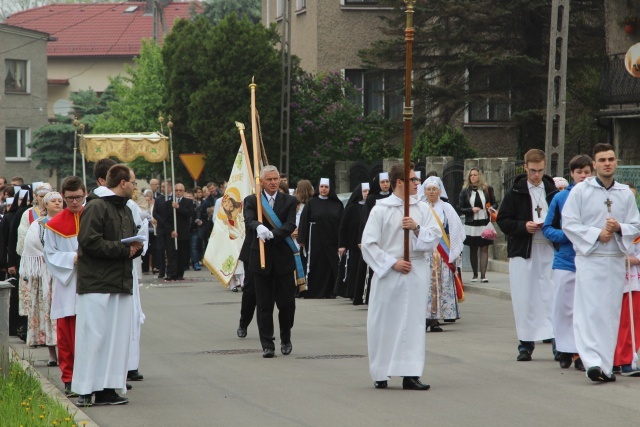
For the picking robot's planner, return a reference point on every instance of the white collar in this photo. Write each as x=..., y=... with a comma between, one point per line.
x=394, y=200
x=103, y=192
x=530, y=185
x=271, y=197
x=323, y=197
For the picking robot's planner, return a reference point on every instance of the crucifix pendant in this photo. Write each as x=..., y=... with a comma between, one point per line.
x=538, y=209
x=608, y=203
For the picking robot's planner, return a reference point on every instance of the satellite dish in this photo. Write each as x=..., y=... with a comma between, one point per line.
x=632, y=60
x=62, y=107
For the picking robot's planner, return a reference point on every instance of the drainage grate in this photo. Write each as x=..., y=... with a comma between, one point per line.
x=231, y=352
x=333, y=356
x=223, y=303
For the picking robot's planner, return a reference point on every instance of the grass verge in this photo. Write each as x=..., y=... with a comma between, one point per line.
x=23, y=403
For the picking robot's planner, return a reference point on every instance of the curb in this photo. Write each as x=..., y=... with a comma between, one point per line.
x=491, y=292
x=52, y=391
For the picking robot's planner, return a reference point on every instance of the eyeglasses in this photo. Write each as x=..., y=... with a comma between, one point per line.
x=414, y=179
x=70, y=199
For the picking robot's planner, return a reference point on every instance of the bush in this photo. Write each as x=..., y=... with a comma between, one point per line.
x=442, y=141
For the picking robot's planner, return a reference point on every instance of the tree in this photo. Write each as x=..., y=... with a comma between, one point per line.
x=53, y=144
x=216, y=10
x=208, y=70
x=326, y=125
x=135, y=101
x=483, y=51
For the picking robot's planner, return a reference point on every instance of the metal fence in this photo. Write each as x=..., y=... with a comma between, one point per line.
x=617, y=85
x=510, y=175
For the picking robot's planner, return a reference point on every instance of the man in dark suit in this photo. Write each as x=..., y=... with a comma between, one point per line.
x=178, y=259
x=161, y=215
x=274, y=284
x=248, y=305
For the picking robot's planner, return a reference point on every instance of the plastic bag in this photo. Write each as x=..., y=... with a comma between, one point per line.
x=489, y=232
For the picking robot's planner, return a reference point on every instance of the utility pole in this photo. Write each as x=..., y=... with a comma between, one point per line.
x=285, y=117
x=557, y=88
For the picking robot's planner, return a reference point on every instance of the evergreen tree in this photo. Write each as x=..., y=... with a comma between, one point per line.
x=474, y=51
x=208, y=70
x=216, y=10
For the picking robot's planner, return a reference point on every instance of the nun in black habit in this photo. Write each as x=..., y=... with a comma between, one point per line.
x=348, y=248
x=380, y=189
x=318, y=235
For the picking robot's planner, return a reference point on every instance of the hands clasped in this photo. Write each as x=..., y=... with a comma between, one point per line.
x=263, y=233
x=612, y=226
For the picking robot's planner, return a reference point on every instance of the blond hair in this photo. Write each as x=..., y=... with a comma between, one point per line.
x=481, y=182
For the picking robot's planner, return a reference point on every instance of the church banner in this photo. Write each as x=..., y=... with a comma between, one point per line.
x=227, y=237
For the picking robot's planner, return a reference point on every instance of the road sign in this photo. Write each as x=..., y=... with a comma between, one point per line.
x=194, y=164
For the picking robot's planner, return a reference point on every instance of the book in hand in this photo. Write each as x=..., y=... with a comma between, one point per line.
x=136, y=238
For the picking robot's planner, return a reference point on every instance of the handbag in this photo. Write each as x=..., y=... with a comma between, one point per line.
x=489, y=232
x=493, y=214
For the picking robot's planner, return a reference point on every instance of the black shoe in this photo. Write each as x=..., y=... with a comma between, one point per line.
x=84, y=400
x=524, y=356
x=68, y=392
x=234, y=289
x=413, y=383
x=449, y=320
x=129, y=386
x=160, y=276
x=179, y=278
x=109, y=397
x=617, y=369
x=578, y=365
x=436, y=328
x=286, y=348
x=134, y=376
x=596, y=375
x=268, y=353
x=548, y=341
x=380, y=384
x=565, y=360
x=242, y=332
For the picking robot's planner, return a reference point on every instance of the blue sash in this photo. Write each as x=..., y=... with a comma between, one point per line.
x=275, y=221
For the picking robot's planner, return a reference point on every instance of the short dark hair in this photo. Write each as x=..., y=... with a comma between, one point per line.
x=102, y=167
x=397, y=172
x=18, y=179
x=599, y=148
x=432, y=173
x=116, y=174
x=580, y=161
x=72, y=183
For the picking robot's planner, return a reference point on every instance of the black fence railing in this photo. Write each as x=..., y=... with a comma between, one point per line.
x=617, y=86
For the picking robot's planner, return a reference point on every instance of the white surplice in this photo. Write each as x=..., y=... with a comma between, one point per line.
x=59, y=254
x=600, y=267
x=396, y=316
x=562, y=312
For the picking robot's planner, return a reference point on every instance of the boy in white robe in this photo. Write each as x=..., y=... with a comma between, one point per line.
x=60, y=254
x=396, y=315
x=601, y=219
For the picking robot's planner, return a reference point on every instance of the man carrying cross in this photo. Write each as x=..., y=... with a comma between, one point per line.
x=601, y=219
x=521, y=215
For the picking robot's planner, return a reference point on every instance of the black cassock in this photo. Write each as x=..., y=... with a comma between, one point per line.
x=365, y=274
x=350, y=261
x=318, y=231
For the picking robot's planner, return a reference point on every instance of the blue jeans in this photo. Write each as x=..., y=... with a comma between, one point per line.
x=196, y=247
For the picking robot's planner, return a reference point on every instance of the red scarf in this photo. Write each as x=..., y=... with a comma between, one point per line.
x=65, y=223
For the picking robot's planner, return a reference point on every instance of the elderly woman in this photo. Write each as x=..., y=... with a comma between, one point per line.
x=442, y=303
x=474, y=197
x=41, y=329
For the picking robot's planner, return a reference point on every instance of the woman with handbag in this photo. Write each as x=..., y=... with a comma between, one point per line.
x=478, y=204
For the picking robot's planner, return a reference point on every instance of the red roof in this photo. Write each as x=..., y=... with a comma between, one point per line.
x=97, y=29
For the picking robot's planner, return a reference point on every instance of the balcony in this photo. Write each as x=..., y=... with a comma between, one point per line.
x=617, y=85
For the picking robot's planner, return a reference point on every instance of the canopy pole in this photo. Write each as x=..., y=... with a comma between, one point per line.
x=175, y=218
x=84, y=168
x=164, y=162
x=75, y=143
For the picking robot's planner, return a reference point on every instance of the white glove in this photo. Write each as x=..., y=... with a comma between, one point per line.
x=263, y=233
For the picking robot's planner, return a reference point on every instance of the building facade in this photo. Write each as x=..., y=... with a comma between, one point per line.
x=23, y=99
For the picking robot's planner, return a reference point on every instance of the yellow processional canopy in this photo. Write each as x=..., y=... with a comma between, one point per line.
x=153, y=146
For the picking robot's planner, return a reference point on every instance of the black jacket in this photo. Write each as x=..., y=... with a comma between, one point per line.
x=516, y=210
x=464, y=206
x=278, y=255
x=183, y=217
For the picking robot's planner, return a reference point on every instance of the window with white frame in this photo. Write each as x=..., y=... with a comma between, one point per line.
x=16, y=78
x=495, y=106
x=301, y=4
x=16, y=141
x=279, y=8
x=379, y=92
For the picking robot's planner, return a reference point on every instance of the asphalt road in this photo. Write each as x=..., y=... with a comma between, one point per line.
x=197, y=372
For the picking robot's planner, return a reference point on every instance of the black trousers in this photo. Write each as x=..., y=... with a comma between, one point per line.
x=161, y=247
x=178, y=259
x=248, y=306
x=279, y=290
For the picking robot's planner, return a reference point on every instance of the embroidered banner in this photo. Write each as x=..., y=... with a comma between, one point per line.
x=154, y=147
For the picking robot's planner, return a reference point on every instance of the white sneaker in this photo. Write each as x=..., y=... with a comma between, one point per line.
x=475, y=279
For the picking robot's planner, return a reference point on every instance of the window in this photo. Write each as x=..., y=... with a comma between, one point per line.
x=279, y=8
x=15, y=76
x=492, y=96
x=301, y=4
x=380, y=92
x=16, y=141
